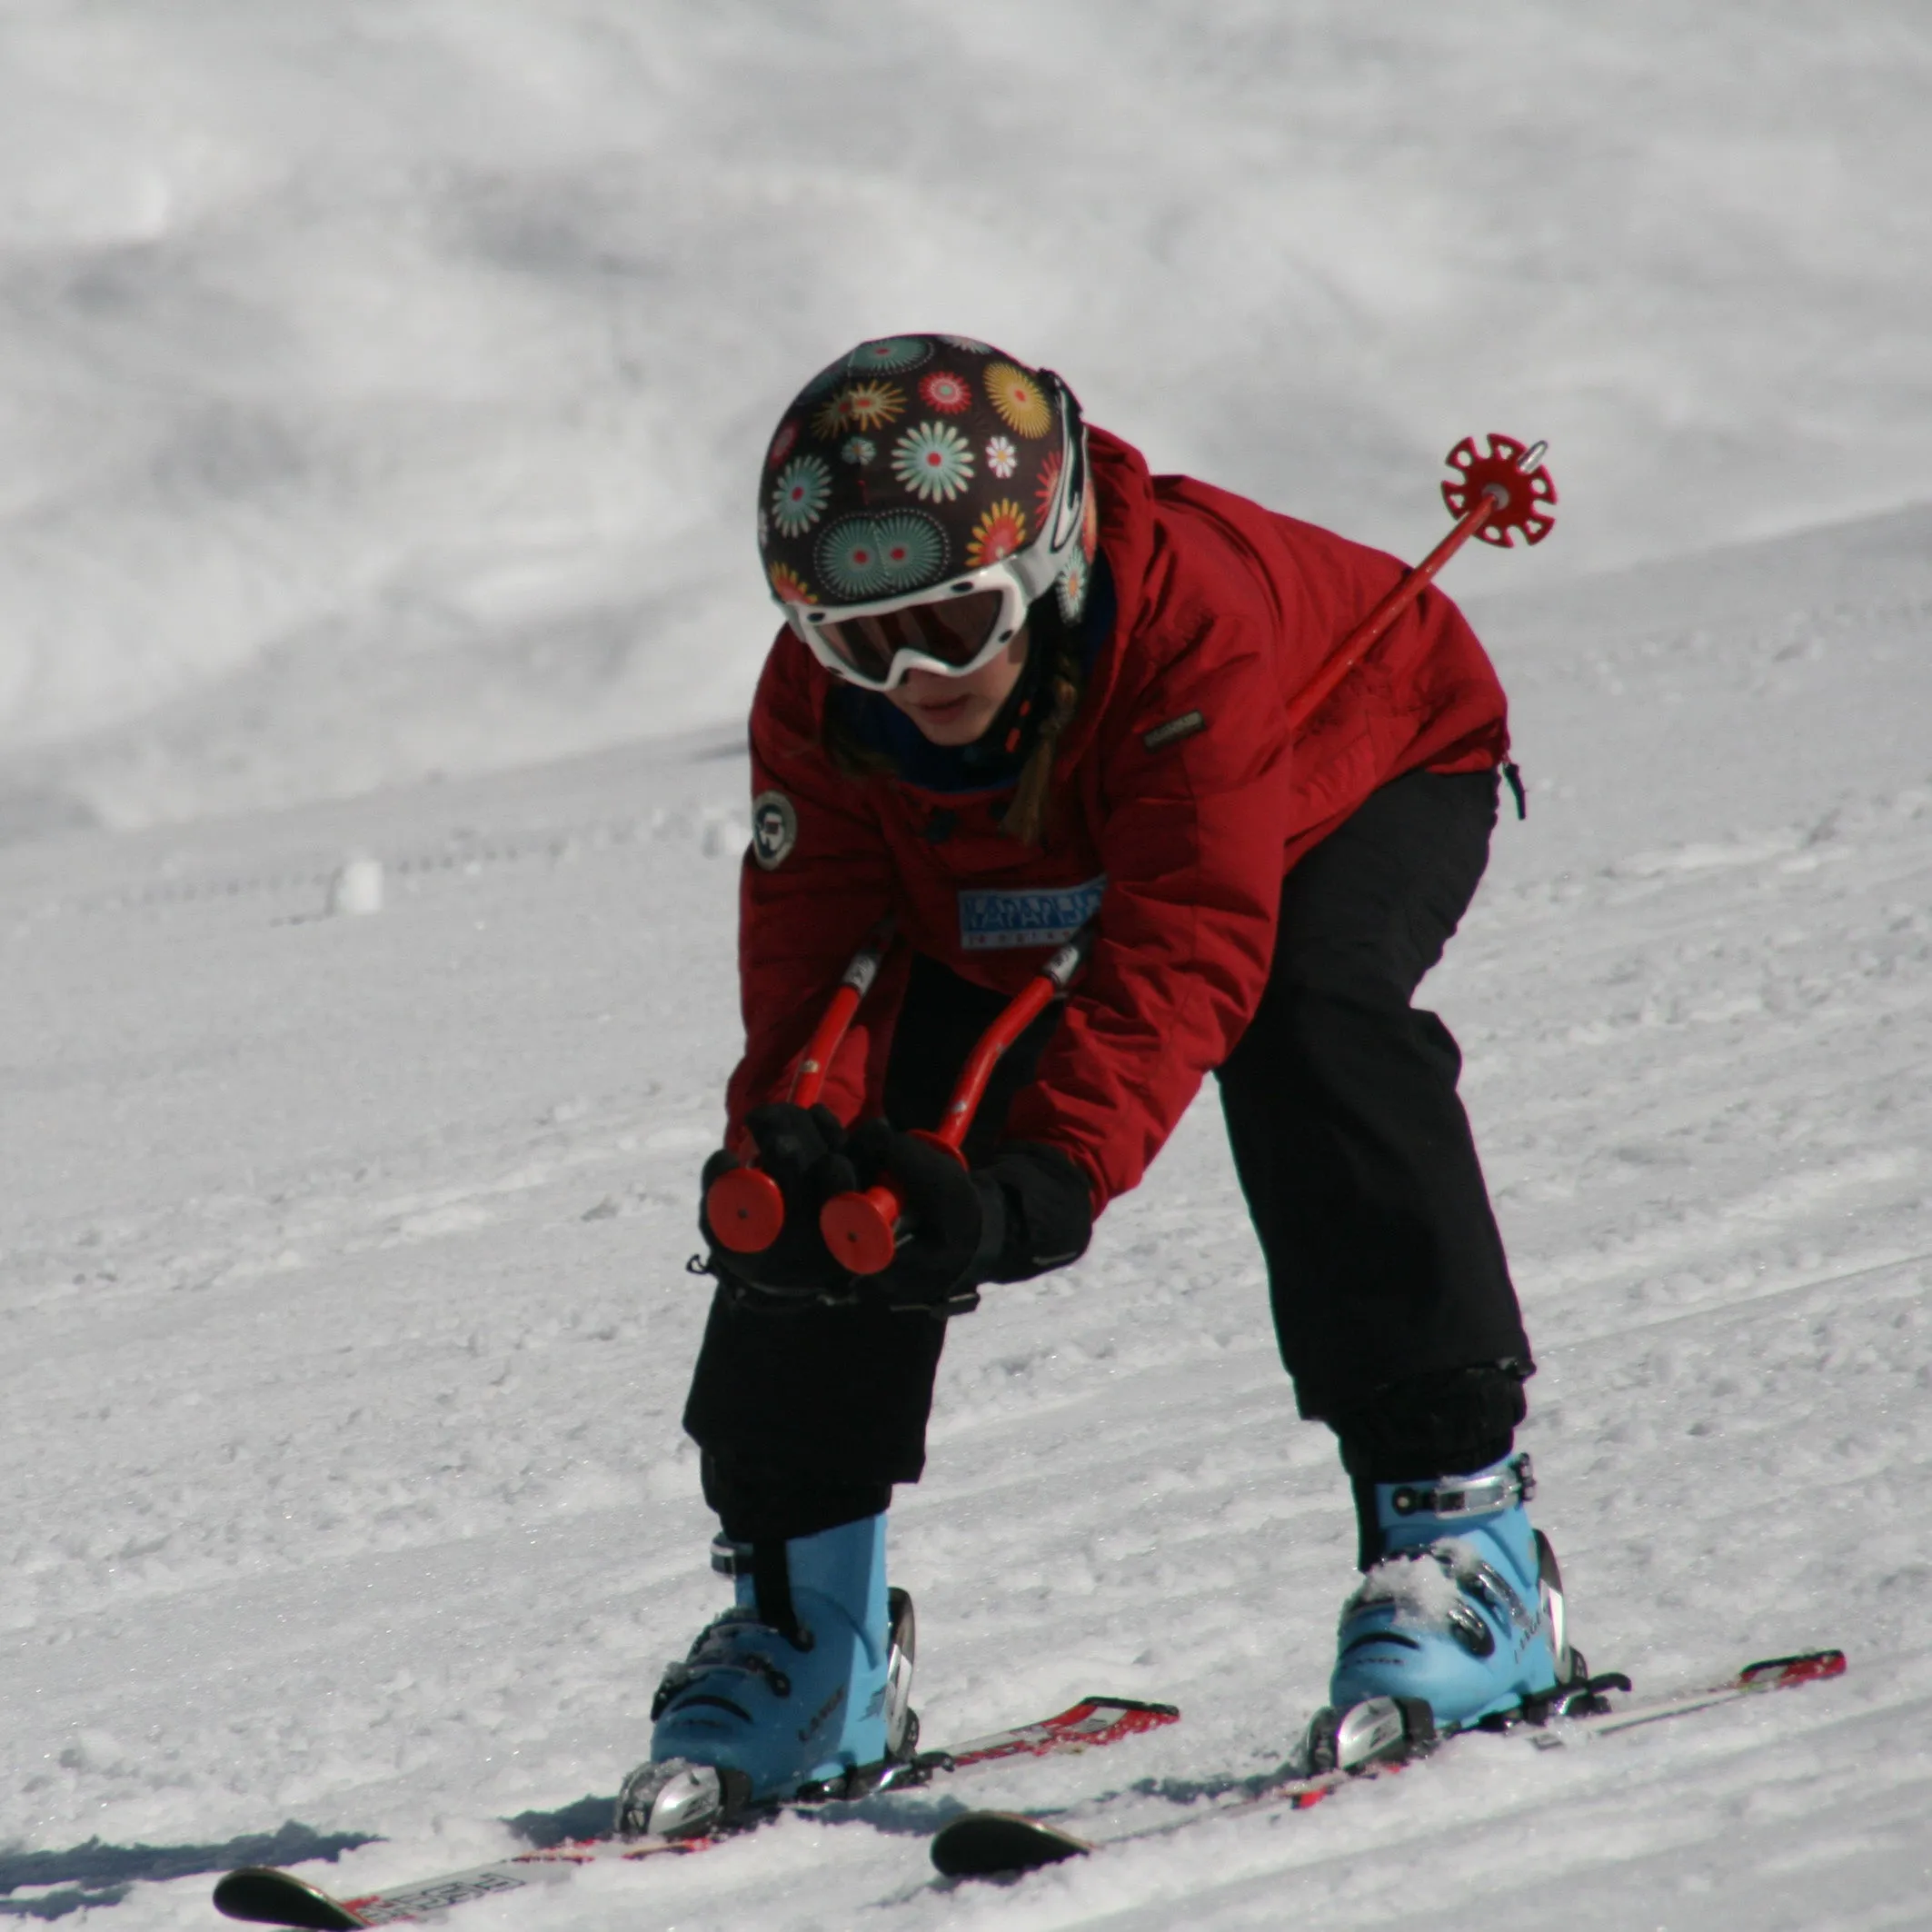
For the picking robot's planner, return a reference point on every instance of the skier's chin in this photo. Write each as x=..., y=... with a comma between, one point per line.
x=953, y=719
x=959, y=710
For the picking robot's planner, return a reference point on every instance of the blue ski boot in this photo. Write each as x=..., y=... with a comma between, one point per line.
x=1460, y=1620
x=802, y=1689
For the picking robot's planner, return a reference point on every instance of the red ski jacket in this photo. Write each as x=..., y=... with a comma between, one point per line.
x=1181, y=801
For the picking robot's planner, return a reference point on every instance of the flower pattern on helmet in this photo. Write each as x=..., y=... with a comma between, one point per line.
x=1021, y=401
x=799, y=496
x=934, y=461
x=788, y=586
x=1072, y=588
x=998, y=533
x=889, y=351
x=906, y=455
x=945, y=392
x=832, y=419
x=862, y=405
x=871, y=405
x=1046, y=489
x=866, y=556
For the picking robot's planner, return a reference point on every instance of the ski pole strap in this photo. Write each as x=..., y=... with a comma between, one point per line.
x=1512, y=1484
x=961, y=1301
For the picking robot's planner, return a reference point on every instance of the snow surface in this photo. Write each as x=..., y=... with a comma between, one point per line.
x=380, y=386
x=346, y=1329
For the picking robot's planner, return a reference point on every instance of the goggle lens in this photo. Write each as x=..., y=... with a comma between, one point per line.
x=955, y=630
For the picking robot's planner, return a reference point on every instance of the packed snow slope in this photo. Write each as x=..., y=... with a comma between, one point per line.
x=346, y=1331
x=383, y=384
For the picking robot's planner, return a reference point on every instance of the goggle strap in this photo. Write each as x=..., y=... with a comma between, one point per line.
x=1073, y=470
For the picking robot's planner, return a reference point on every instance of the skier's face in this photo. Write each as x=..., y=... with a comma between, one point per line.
x=957, y=711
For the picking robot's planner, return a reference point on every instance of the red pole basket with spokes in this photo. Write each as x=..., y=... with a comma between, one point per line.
x=1497, y=494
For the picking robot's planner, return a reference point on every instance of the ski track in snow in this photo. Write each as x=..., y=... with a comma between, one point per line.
x=341, y=1291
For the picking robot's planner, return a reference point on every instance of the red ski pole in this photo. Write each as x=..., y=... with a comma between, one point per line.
x=1499, y=492
x=744, y=1206
x=864, y=1230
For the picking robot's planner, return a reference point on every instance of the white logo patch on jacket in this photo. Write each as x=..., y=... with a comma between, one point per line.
x=774, y=829
x=995, y=921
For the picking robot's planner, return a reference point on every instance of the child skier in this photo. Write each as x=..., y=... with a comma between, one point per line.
x=1025, y=685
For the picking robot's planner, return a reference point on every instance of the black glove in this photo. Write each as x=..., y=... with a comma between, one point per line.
x=1027, y=1210
x=803, y=1151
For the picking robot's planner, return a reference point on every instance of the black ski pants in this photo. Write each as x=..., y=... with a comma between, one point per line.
x=1393, y=1302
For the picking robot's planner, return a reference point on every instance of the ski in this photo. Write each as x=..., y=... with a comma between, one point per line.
x=1004, y=1844
x=266, y=1897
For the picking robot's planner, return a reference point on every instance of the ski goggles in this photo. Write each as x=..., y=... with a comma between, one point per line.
x=952, y=630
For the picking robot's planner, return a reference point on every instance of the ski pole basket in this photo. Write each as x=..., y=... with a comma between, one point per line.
x=1503, y=492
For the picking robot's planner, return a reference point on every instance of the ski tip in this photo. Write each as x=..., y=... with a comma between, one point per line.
x=264, y=1897
x=1090, y=1722
x=1001, y=1845
x=1809, y=1667
x=1164, y=1713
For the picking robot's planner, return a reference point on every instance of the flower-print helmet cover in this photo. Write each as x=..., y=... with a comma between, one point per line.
x=917, y=458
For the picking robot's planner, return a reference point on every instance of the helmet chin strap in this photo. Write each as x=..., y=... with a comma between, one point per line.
x=1009, y=732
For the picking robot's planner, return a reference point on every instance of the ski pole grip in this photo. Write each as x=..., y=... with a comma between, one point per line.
x=745, y=1209
x=864, y=1230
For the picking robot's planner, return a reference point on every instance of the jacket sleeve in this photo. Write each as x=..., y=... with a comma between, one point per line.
x=816, y=880
x=1192, y=846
